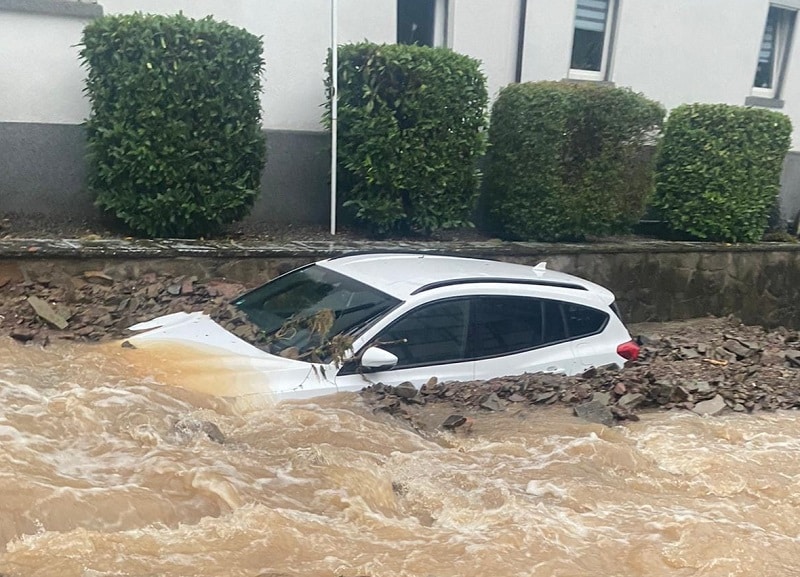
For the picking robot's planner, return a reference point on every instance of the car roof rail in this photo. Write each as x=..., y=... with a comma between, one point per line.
x=501, y=280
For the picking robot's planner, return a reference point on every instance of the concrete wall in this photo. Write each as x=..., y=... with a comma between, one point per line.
x=652, y=281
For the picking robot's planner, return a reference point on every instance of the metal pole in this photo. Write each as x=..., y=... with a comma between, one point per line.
x=334, y=109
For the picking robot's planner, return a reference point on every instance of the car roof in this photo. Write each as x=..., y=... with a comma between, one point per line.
x=402, y=275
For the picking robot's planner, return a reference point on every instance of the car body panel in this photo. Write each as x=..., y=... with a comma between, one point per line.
x=220, y=363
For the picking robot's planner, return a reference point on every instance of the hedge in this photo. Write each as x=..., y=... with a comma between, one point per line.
x=569, y=160
x=719, y=170
x=410, y=132
x=174, y=136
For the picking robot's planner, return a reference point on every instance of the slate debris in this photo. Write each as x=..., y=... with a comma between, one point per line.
x=681, y=366
x=709, y=366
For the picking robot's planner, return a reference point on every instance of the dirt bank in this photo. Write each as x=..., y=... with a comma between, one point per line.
x=704, y=365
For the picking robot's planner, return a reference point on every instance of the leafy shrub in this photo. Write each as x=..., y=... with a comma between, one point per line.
x=174, y=135
x=411, y=129
x=568, y=160
x=719, y=170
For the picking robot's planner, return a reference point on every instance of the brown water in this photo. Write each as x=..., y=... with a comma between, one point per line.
x=105, y=473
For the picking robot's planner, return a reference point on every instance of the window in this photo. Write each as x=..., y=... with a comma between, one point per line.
x=592, y=39
x=772, y=56
x=422, y=22
x=431, y=334
x=503, y=325
x=583, y=321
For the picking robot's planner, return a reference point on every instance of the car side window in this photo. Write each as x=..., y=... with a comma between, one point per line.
x=502, y=325
x=583, y=321
x=430, y=334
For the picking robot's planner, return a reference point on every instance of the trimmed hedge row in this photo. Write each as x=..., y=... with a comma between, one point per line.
x=569, y=160
x=719, y=170
x=411, y=129
x=174, y=136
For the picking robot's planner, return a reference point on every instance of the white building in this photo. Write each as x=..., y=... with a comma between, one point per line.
x=675, y=51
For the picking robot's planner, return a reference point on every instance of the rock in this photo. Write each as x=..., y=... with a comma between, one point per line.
x=711, y=407
x=517, y=398
x=454, y=421
x=595, y=412
x=793, y=358
x=492, y=403
x=405, y=390
x=98, y=277
x=174, y=289
x=47, y=313
x=213, y=432
x=737, y=348
x=630, y=401
x=602, y=397
x=23, y=335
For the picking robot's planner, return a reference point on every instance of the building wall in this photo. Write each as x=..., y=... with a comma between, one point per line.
x=674, y=52
x=488, y=35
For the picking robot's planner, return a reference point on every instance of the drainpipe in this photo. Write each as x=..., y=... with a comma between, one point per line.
x=523, y=15
x=334, y=110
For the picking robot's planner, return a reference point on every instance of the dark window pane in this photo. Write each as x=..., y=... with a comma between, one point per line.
x=502, y=325
x=434, y=333
x=590, y=30
x=766, y=56
x=583, y=321
x=415, y=21
x=555, y=329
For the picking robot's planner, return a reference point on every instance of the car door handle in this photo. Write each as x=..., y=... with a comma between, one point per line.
x=555, y=371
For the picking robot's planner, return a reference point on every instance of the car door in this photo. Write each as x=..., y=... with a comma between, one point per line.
x=429, y=341
x=592, y=346
x=511, y=335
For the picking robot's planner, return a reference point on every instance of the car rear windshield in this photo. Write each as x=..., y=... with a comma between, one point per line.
x=311, y=305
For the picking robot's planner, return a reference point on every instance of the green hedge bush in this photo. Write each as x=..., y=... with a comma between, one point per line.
x=567, y=160
x=411, y=130
x=719, y=170
x=174, y=136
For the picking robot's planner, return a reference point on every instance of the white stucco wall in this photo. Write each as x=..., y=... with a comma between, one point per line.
x=548, y=39
x=689, y=51
x=40, y=76
x=41, y=80
x=488, y=35
x=296, y=38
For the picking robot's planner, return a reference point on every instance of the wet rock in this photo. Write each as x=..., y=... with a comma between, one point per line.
x=492, y=403
x=711, y=407
x=740, y=350
x=47, y=313
x=595, y=412
x=212, y=431
x=454, y=421
x=98, y=277
x=793, y=358
x=602, y=397
x=630, y=401
x=23, y=335
x=405, y=390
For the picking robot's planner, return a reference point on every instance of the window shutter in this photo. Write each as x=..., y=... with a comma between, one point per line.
x=591, y=15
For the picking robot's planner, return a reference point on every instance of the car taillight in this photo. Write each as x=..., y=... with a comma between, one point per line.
x=628, y=351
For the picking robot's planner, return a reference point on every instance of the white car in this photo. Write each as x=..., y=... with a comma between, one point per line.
x=345, y=322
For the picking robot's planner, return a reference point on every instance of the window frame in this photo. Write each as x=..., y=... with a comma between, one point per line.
x=609, y=34
x=781, y=47
x=441, y=26
x=471, y=300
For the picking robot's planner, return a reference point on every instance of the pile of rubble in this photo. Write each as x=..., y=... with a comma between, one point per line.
x=95, y=307
x=703, y=365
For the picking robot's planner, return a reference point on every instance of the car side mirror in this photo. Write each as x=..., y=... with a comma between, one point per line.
x=378, y=359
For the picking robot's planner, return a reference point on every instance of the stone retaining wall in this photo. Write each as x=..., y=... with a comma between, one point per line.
x=653, y=281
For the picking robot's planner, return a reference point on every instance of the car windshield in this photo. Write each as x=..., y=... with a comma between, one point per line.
x=313, y=313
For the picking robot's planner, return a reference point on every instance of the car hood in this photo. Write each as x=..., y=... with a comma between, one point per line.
x=194, y=352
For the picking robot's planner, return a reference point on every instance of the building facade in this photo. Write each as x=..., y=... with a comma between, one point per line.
x=739, y=52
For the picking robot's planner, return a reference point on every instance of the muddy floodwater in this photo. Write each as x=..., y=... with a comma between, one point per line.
x=104, y=471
